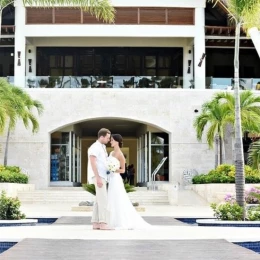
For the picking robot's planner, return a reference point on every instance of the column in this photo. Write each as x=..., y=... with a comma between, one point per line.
x=19, y=48
x=255, y=36
x=199, y=49
x=187, y=65
x=30, y=66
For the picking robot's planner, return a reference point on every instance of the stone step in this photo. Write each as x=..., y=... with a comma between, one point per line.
x=76, y=195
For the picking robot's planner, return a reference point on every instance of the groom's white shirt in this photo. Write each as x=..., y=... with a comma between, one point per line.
x=99, y=151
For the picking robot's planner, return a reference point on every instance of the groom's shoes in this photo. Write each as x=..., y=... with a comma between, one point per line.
x=96, y=226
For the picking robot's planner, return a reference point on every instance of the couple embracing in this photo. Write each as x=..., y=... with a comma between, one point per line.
x=112, y=209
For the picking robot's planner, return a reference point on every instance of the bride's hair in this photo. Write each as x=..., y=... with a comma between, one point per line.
x=118, y=138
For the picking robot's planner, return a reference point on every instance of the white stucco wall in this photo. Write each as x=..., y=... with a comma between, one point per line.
x=169, y=109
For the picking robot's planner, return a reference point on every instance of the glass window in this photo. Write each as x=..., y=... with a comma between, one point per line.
x=164, y=61
x=68, y=61
x=158, y=152
x=150, y=61
x=160, y=138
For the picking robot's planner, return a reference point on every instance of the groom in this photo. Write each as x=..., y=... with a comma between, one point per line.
x=97, y=175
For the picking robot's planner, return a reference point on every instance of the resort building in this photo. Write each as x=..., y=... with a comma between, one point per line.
x=145, y=77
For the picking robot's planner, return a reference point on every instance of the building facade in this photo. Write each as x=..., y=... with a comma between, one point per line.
x=145, y=77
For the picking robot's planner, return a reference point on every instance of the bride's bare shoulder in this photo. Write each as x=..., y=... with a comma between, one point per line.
x=122, y=155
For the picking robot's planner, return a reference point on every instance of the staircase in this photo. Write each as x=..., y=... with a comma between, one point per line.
x=74, y=195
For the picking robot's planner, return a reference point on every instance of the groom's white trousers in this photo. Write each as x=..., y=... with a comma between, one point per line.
x=100, y=212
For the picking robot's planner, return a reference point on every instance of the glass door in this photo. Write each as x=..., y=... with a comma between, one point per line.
x=65, y=157
x=60, y=157
x=143, y=157
x=76, y=158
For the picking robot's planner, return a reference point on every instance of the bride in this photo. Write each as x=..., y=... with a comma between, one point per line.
x=122, y=213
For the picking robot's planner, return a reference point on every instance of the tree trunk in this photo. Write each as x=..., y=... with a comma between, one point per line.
x=216, y=150
x=239, y=155
x=220, y=150
x=223, y=151
x=6, y=145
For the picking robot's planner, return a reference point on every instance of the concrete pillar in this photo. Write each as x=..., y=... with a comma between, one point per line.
x=19, y=48
x=30, y=57
x=187, y=70
x=199, y=49
x=255, y=36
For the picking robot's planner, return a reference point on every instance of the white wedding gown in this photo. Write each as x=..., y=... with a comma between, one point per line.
x=122, y=214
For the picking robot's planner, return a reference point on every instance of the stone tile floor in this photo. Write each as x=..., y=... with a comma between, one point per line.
x=66, y=249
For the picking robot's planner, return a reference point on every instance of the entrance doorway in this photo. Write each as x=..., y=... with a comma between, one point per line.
x=144, y=147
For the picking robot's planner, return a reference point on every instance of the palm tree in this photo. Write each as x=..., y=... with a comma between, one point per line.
x=220, y=111
x=22, y=105
x=101, y=9
x=245, y=14
x=249, y=108
x=214, y=116
x=7, y=111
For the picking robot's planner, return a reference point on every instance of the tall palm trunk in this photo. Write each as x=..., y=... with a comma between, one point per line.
x=216, y=150
x=7, y=145
x=220, y=150
x=239, y=156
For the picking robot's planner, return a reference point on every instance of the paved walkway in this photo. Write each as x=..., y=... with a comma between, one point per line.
x=72, y=237
x=160, y=221
x=46, y=249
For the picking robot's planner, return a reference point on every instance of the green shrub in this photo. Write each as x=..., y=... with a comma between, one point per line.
x=225, y=173
x=227, y=211
x=253, y=214
x=91, y=188
x=10, y=208
x=12, y=174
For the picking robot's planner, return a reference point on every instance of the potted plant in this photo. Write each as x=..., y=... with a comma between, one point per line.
x=91, y=189
x=43, y=83
x=31, y=83
x=84, y=83
x=54, y=81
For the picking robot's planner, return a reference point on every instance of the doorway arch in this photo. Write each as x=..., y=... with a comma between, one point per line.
x=145, y=144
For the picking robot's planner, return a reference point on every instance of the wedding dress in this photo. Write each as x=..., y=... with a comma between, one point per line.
x=122, y=213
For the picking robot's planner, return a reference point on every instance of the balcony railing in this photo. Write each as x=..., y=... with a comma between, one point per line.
x=103, y=82
x=132, y=82
x=228, y=83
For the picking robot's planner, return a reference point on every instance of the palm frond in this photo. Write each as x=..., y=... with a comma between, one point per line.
x=212, y=131
x=254, y=155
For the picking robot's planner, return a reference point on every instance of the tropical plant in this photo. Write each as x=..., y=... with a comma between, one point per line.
x=244, y=14
x=12, y=174
x=227, y=211
x=91, y=188
x=225, y=173
x=249, y=109
x=101, y=9
x=213, y=116
x=20, y=106
x=10, y=208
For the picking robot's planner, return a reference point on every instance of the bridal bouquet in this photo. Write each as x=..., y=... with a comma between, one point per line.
x=112, y=164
